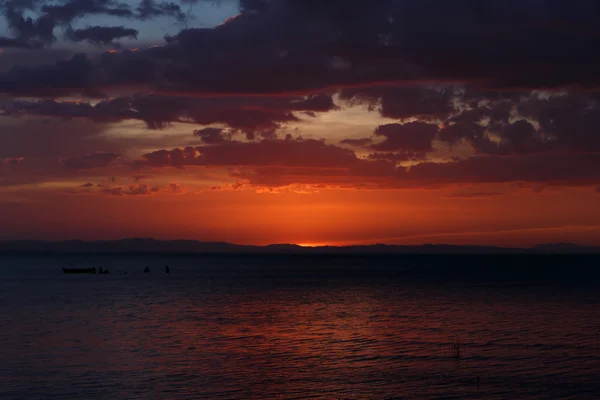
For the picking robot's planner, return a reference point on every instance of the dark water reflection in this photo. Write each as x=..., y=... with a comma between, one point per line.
x=235, y=328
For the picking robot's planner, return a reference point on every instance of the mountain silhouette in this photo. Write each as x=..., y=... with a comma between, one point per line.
x=149, y=245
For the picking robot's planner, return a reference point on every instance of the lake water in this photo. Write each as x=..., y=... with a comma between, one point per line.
x=301, y=328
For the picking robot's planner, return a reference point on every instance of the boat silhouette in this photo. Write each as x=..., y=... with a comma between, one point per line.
x=79, y=270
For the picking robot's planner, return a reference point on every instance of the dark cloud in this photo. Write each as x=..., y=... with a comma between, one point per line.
x=280, y=163
x=398, y=156
x=556, y=169
x=530, y=123
x=107, y=111
x=458, y=129
x=211, y=135
x=469, y=126
x=530, y=50
x=33, y=31
x=253, y=53
x=412, y=136
x=474, y=195
x=519, y=137
x=24, y=57
x=68, y=11
x=64, y=77
x=39, y=29
x=395, y=41
x=101, y=35
x=357, y=142
x=249, y=115
x=148, y=9
x=254, y=5
x=87, y=185
x=570, y=120
x=297, y=153
x=512, y=124
x=33, y=22
x=464, y=72
x=312, y=103
x=281, y=50
x=89, y=161
x=141, y=189
x=401, y=102
x=289, y=45
x=14, y=43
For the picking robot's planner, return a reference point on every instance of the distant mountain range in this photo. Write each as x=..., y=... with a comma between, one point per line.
x=143, y=245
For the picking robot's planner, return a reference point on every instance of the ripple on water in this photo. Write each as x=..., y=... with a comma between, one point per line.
x=251, y=337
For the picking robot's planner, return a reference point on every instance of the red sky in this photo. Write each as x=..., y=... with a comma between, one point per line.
x=295, y=134
x=412, y=216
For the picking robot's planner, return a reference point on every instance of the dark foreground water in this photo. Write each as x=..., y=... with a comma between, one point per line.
x=301, y=328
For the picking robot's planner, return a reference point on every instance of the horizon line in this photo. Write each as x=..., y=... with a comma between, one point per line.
x=305, y=245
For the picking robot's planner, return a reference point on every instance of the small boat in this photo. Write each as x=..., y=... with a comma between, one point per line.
x=79, y=270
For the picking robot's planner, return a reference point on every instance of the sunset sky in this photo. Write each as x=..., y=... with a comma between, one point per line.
x=298, y=121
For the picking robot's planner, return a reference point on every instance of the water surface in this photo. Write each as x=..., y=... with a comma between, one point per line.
x=300, y=328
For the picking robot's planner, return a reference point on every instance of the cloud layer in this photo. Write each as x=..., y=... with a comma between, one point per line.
x=470, y=93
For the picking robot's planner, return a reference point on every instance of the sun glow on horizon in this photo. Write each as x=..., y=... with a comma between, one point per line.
x=312, y=244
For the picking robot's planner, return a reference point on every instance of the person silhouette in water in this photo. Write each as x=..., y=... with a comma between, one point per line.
x=147, y=270
x=167, y=269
